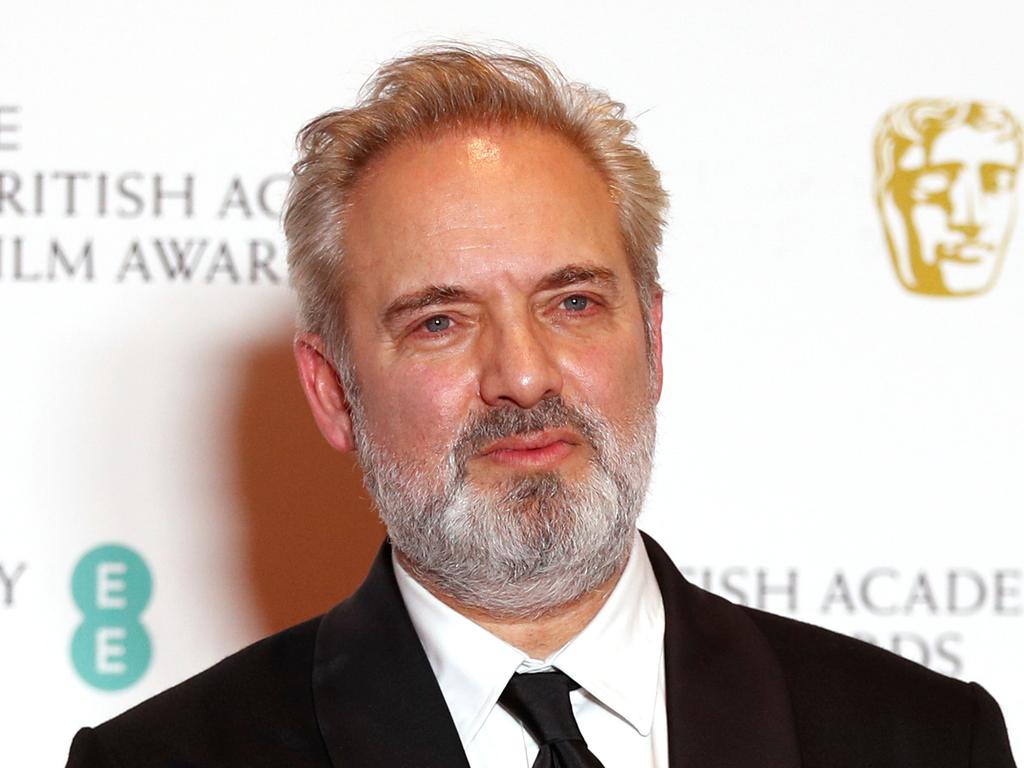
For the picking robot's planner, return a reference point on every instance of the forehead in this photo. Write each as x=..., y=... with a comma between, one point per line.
x=480, y=204
x=962, y=144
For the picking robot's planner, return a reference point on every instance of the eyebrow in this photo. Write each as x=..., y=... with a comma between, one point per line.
x=430, y=296
x=436, y=295
x=572, y=274
x=930, y=167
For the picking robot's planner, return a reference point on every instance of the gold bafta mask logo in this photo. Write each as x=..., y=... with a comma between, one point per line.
x=946, y=188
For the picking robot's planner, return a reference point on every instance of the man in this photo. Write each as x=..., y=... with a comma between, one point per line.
x=474, y=250
x=946, y=187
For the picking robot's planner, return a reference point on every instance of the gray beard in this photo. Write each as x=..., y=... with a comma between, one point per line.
x=531, y=544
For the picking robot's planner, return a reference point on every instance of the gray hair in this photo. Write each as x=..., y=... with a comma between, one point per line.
x=449, y=87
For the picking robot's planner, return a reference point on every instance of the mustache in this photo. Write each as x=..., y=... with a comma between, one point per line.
x=486, y=427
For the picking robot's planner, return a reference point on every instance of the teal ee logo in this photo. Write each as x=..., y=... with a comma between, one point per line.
x=111, y=586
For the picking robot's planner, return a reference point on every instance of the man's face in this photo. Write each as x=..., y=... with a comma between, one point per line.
x=486, y=284
x=957, y=201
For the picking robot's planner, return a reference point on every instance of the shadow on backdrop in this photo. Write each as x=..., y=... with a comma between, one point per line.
x=311, y=530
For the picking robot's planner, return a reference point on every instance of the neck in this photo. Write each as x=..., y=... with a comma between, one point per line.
x=537, y=637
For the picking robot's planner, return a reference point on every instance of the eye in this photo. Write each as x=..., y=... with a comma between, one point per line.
x=997, y=179
x=576, y=303
x=437, y=324
x=931, y=185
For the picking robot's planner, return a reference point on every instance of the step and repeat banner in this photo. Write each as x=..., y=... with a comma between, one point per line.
x=841, y=436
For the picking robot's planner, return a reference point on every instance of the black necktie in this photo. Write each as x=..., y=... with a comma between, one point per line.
x=540, y=701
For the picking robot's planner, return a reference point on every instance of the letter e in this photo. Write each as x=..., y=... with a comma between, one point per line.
x=110, y=646
x=109, y=588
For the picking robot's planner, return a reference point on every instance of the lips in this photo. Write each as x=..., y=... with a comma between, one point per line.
x=534, y=449
x=533, y=441
x=966, y=253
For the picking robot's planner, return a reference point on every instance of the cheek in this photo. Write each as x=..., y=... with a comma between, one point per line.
x=999, y=214
x=929, y=221
x=421, y=405
x=614, y=377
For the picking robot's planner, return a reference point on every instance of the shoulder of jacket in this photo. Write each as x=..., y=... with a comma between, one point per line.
x=811, y=654
x=259, y=692
x=852, y=698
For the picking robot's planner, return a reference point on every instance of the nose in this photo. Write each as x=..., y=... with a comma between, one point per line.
x=519, y=367
x=964, y=197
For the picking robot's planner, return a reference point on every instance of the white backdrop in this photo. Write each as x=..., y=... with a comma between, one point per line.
x=831, y=446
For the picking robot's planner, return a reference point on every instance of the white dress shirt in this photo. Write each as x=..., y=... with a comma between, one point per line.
x=618, y=660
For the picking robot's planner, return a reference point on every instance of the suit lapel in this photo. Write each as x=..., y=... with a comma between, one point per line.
x=727, y=704
x=379, y=705
x=377, y=701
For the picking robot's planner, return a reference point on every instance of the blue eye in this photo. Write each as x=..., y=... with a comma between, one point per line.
x=576, y=303
x=437, y=323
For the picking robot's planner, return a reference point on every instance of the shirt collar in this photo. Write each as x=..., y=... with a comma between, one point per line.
x=616, y=658
x=471, y=665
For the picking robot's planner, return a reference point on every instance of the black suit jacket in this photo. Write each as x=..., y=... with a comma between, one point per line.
x=745, y=689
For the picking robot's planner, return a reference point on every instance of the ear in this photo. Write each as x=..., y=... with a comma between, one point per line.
x=326, y=396
x=656, y=315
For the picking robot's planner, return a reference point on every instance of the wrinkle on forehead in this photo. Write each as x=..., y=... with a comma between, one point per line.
x=474, y=205
x=447, y=228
